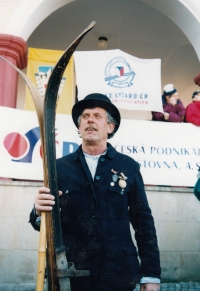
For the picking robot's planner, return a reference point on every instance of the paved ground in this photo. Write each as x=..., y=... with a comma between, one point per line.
x=180, y=286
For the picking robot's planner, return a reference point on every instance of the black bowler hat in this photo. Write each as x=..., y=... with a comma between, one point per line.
x=96, y=100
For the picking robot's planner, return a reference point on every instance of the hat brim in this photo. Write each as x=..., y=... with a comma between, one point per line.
x=80, y=106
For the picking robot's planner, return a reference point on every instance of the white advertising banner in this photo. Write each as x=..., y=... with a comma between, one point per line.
x=130, y=83
x=169, y=153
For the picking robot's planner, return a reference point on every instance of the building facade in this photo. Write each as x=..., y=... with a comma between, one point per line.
x=144, y=28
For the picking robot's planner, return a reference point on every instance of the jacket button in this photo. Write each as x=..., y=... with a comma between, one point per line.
x=98, y=177
x=102, y=159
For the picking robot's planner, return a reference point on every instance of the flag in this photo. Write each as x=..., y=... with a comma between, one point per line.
x=40, y=65
x=130, y=83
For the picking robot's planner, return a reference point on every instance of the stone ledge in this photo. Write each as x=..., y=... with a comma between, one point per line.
x=21, y=183
x=149, y=188
x=18, y=287
x=171, y=189
x=179, y=286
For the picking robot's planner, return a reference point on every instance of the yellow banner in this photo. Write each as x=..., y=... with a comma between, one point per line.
x=40, y=65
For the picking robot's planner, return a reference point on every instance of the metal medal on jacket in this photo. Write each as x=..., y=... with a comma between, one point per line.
x=115, y=177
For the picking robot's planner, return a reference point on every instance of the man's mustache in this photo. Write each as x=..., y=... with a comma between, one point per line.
x=91, y=128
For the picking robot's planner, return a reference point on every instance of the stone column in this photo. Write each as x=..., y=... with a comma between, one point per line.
x=14, y=49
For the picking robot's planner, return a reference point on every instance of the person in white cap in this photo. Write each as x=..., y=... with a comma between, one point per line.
x=173, y=108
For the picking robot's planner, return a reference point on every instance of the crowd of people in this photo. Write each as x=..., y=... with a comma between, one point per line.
x=174, y=110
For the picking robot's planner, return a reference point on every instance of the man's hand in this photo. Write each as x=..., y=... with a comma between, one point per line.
x=150, y=287
x=44, y=201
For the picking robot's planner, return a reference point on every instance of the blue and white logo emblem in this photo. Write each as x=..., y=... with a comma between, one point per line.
x=42, y=78
x=119, y=73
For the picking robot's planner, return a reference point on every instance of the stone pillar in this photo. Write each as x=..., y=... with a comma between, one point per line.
x=14, y=49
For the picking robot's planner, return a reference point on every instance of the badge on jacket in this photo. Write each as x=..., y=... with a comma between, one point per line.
x=122, y=180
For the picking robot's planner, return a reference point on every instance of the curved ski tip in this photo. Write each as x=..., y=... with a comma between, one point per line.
x=92, y=24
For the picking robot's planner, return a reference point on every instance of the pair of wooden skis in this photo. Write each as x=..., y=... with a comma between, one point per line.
x=57, y=267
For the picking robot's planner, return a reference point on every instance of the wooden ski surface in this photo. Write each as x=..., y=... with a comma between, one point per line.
x=39, y=105
x=53, y=223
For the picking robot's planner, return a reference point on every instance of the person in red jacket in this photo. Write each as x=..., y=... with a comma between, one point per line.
x=173, y=108
x=193, y=109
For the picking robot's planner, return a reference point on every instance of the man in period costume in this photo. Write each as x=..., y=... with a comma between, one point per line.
x=102, y=193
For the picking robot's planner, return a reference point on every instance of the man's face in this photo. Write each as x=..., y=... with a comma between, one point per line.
x=197, y=97
x=94, y=126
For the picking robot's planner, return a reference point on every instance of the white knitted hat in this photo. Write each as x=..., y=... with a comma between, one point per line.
x=169, y=89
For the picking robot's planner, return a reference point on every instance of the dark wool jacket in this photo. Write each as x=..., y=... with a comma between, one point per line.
x=176, y=113
x=96, y=222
